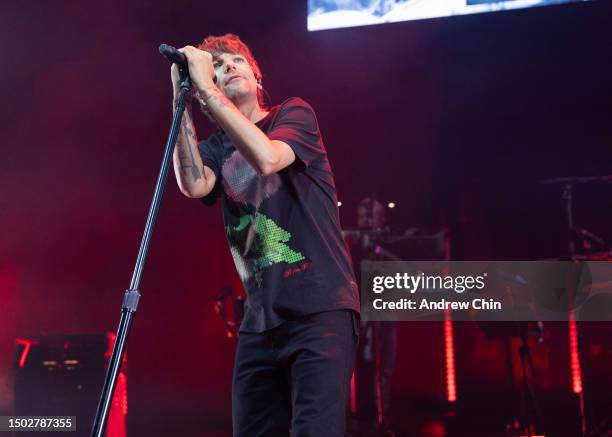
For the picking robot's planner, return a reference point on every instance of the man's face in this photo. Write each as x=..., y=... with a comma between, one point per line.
x=371, y=216
x=235, y=78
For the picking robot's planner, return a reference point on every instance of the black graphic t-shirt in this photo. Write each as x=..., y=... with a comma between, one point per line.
x=283, y=229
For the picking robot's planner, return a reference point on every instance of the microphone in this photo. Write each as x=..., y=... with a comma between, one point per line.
x=173, y=55
x=178, y=58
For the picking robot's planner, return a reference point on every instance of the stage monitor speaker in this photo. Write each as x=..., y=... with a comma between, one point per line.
x=62, y=375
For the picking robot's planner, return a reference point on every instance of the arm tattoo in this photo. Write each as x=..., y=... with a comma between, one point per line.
x=220, y=98
x=189, y=161
x=195, y=171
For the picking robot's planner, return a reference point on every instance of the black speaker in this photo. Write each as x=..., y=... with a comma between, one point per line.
x=62, y=375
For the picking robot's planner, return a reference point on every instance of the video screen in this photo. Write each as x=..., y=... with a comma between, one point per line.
x=333, y=14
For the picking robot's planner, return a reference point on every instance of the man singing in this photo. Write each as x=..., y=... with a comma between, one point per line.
x=298, y=338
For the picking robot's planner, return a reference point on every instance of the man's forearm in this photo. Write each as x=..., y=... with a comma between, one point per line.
x=252, y=143
x=188, y=167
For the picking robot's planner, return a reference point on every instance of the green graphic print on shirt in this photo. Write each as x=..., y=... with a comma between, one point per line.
x=263, y=243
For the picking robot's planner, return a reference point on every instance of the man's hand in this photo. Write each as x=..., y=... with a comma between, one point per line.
x=201, y=67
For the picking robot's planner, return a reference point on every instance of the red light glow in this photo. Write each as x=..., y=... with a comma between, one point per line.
x=449, y=353
x=574, y=357
x=27, y=344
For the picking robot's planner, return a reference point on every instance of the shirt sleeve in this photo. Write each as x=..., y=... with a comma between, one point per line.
x=211, y=157
x=297, y=126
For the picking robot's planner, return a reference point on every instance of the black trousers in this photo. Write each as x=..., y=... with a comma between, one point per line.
x=294, y=379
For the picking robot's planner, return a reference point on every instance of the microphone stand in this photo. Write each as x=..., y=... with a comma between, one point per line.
x=132, y=295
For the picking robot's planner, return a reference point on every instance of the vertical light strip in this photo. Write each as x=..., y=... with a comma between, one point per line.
x=449, y=342
x=449, y=351
x=574, y=356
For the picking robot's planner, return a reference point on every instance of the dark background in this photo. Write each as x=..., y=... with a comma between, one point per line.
x=456, y=120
